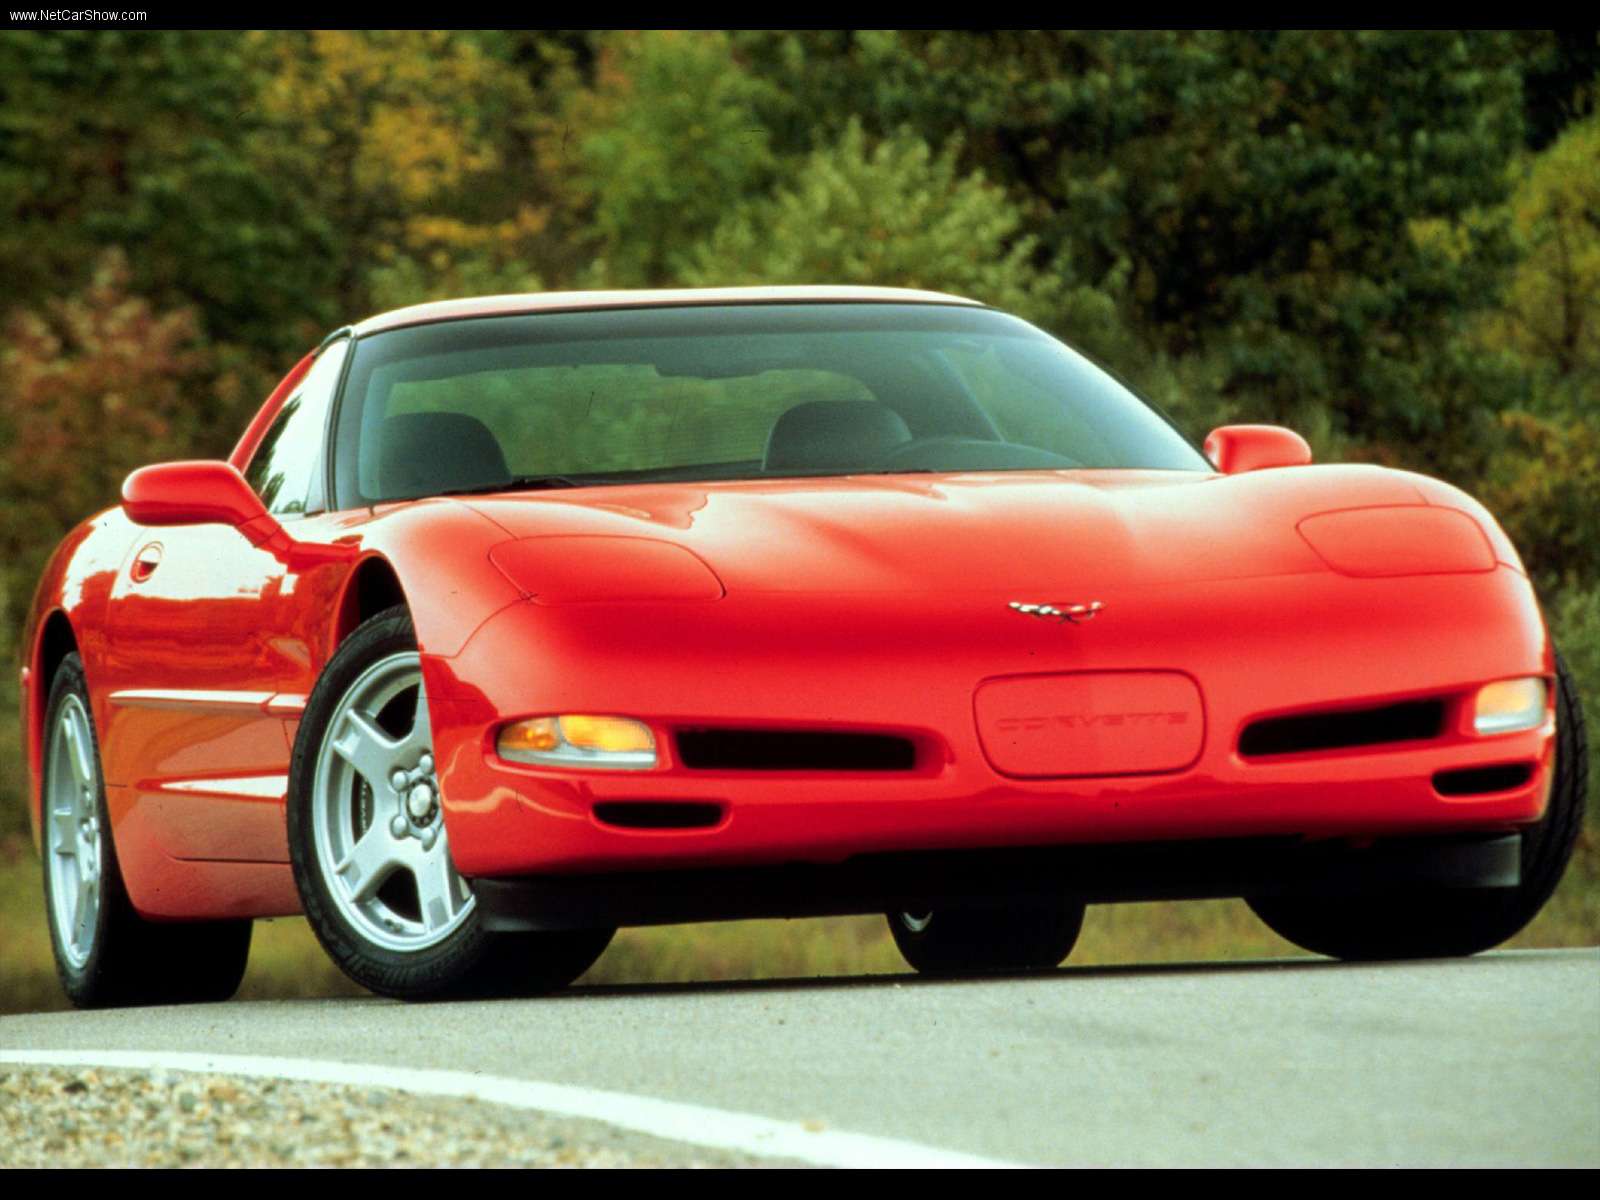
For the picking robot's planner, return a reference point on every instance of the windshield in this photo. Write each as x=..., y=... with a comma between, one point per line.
x=712, y=392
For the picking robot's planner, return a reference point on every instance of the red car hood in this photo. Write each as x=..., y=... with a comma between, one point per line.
x=1011, y=532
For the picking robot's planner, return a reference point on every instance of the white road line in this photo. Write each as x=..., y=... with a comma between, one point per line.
x=669, y=1119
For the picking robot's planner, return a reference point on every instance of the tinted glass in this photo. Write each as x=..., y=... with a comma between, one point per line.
x=286, y=469
x=730, y=392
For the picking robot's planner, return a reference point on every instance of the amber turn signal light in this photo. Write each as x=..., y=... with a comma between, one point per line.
x=579, y=740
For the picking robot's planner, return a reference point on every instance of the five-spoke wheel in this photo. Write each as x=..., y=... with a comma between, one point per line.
x=74, y=862
x=369, y=846
x=375, y=813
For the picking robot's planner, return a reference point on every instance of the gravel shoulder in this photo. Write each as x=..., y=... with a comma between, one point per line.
x=53, y=1117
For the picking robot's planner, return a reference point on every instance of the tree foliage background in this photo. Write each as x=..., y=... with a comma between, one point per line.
x=1388, y=240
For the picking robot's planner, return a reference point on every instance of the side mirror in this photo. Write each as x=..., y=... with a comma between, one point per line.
x=200, y=492
x=1234, y=449
x=204, y=492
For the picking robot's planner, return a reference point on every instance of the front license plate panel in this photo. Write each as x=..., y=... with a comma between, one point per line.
x=1090, y=723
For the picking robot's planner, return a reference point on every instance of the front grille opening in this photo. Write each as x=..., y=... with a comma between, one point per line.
x=1414, y=720
x=658, y=814
x=1474, y=781
x=793, y=750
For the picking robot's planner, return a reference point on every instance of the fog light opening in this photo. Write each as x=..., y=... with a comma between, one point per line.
x=659, y=814
x=1478, y=781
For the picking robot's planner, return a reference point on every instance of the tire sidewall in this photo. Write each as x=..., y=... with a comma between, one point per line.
x=972, y=941
x=402, y=973
x=84, y=984
x=1442, y=923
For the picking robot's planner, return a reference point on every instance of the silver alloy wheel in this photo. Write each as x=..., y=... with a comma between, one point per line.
x=916, y=922
x=375, y=814
x=74, y=855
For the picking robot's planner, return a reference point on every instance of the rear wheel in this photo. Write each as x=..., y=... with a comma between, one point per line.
x=369, y=847
x=106, y=954
x=1450, y=923
x=965, y=941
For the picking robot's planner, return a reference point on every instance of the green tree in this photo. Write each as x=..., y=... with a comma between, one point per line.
x=414, y=150
x=657, y=151
x=1544, y=473
x=1258, y=189
x=1551, y=312
x=91, y=386
x=1560, y=68
x=142, y=140
x=896, y=213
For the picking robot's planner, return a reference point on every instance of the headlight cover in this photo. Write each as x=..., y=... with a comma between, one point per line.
x=1398, y=540
x=590, y=569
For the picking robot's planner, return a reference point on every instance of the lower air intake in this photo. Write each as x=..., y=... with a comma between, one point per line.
x=793, y=750
x=1412, y=721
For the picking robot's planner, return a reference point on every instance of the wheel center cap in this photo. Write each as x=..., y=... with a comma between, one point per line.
x=419, y=802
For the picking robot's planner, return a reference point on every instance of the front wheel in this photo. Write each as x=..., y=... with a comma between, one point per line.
x=368, y=843
x=967, y=941
x=1441, y=924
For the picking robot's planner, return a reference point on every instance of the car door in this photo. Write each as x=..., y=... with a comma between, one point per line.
x=211, y=654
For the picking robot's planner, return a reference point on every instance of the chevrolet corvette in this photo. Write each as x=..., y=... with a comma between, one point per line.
x=513, y=620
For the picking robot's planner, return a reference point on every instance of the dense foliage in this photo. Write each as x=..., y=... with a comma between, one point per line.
x=1390, y=240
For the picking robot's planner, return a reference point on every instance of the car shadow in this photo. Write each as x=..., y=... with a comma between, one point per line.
x=910, y=979
x=1065, y=975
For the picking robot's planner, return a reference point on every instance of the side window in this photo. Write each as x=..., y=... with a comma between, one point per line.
x=286, y=469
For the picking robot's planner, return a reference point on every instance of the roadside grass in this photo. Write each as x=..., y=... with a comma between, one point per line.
x=287, y=963
x=13, y=785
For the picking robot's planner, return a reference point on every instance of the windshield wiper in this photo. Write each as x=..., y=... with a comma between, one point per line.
x=523, y=483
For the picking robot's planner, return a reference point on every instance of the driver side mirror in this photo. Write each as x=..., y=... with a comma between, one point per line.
x=204, y=492
x=199, y=492
x=1234, y=449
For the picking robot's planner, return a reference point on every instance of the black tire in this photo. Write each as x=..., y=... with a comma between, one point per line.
x=466, y=959
x=1444, y=924
x=117, y=957
x=970, y=941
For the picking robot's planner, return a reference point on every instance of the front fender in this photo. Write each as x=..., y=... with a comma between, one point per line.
x=438, y=551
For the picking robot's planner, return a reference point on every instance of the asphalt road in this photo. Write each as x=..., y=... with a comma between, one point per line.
x=1492, y=1060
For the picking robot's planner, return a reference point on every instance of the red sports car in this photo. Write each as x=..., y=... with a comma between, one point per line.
x=513, y=620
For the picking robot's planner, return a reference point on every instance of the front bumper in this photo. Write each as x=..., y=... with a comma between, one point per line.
x=1255, y=647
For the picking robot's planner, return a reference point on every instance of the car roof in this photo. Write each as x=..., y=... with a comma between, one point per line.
x=533, y=302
